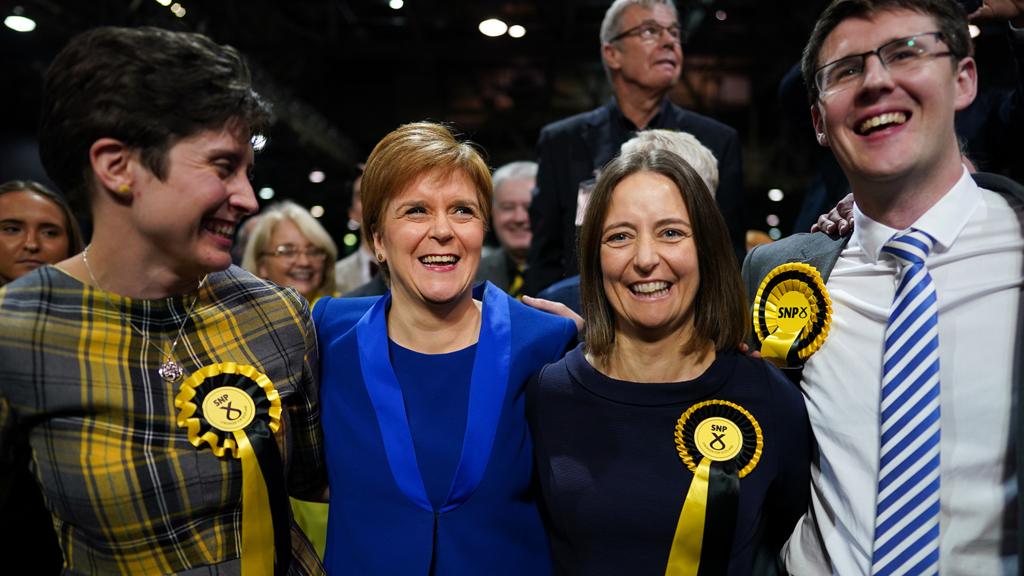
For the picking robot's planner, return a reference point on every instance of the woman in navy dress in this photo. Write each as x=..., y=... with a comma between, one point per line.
x=661, y=449
x=428, y=451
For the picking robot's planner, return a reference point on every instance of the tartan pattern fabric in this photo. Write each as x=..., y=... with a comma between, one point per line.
x=128, y=492
x=907, y=509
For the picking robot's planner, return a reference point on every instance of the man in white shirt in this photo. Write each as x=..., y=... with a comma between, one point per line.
x=886, y=78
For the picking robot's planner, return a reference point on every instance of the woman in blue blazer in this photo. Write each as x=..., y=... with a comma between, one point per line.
x=428, y=452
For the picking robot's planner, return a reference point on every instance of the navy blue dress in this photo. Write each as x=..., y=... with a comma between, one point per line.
x=613, y=482
x=384, y=518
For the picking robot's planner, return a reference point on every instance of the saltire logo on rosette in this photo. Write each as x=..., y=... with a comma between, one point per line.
x=792, y=314
x=236, y=410
x=720, y=442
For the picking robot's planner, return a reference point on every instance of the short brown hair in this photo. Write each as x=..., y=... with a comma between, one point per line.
x=411, y=151
x=147, y=87
x=948, y=14
x=720, y=306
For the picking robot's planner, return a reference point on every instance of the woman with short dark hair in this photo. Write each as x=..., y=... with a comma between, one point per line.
x=169, y=399
x=661, y=448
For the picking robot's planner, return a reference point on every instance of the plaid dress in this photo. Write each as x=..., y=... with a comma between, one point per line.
x=127, y=491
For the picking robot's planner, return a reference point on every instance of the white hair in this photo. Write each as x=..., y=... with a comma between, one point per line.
x=684, y=145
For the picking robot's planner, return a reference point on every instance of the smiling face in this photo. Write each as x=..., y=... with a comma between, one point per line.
x=649, y=259
x=32, y=234
x=893, y=126
x=186, y=222
x=512, y=215
x=651, y=66
x=302, y=272
x=430, y=236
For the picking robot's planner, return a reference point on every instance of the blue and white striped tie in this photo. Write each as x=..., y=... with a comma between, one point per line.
x=907, y=505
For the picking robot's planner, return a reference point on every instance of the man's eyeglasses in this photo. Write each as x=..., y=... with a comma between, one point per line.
x=291, y=252
x=897, y=56
x=650, y=31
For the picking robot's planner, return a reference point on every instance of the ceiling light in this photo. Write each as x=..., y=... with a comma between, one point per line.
x=516, y=31
x=396, y=4
x=317, y=211
x=178, y=10
x=266, y=193
x=493, y=27
x=772, y=220
x=974, y=30
x=164, y=2
x=20, y=23
x=720, y=15
x=775, y=195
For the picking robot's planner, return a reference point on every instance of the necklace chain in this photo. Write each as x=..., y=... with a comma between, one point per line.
x=169, y=370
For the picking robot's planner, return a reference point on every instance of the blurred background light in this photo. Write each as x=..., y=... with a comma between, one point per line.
x=266, y=193
x=317, y=176
x=493, y=27
x=20, y=23
x=775, y=195
x=317, y=211
x=396, y=4
x=516, y=31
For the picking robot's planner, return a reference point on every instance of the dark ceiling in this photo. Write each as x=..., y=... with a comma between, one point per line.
x=344, y=73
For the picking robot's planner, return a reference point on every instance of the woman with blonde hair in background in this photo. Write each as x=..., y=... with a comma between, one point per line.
x=291, y=248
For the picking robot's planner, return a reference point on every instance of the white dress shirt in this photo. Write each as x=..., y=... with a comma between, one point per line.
x=977, y=266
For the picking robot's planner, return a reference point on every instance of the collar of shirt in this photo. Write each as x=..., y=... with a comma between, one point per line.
x=944, y=221
x=624, y=128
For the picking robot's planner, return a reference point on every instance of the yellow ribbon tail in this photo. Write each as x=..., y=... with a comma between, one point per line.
x=257, y=528
x=777, y=346
x=684, y=557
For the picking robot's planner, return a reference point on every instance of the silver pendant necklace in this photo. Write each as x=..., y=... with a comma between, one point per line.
x=169, y=370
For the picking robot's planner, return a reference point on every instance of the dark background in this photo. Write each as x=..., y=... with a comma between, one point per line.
x=341, y=74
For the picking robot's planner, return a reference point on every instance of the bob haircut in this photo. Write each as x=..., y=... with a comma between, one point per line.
x=75, y=243
x=948, y=14
x=148, y=88
x=406, y=154
x=720, y=306
x=310, y=228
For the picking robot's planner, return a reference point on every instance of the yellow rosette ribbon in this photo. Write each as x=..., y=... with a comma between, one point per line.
x=720, y=442
x=792, y=314
x=235, y=410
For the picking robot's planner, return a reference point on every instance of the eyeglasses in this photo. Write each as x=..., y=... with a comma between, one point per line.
x=898, y=56
x=291, y=252
x=650, y=31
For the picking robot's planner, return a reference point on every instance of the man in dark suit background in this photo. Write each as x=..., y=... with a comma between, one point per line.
x=886, y=78
x=642, y=54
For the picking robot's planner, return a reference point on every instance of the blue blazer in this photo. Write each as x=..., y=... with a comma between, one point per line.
x=373, y=527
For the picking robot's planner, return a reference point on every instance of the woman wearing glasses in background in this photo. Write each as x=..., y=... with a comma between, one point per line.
x=290, y=248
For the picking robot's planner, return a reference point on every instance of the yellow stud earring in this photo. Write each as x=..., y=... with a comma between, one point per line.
x=124, y=189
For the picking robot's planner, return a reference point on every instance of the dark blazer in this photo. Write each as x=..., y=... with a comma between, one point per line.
x=820, y=251
x=373, y=527
x=570, y=150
